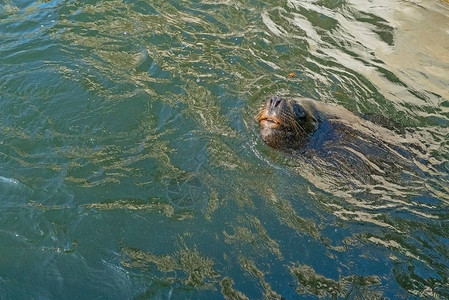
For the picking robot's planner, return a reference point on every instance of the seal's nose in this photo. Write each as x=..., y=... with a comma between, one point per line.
x=275, y=101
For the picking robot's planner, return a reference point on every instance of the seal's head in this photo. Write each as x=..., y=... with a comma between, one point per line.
x=286, y=123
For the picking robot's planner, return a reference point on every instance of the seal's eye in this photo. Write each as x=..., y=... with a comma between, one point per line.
x=299, y=111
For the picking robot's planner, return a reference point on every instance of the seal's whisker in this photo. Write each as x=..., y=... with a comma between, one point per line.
x=260, y=112
x=288, y=118
x=298, y=128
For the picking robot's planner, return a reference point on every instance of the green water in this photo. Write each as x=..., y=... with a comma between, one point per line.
x=131, y=166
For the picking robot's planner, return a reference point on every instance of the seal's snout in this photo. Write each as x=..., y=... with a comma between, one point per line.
x=269, y=116
x=274, y=102
x=275, y=105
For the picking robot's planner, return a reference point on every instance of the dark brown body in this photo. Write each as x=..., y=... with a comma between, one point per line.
x=335, y=145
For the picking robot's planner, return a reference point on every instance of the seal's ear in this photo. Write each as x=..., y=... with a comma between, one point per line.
x=299, y=111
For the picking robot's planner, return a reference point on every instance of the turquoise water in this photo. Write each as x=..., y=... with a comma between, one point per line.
x=131, y=166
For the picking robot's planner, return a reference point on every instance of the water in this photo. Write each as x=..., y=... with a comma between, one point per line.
x=131, y=166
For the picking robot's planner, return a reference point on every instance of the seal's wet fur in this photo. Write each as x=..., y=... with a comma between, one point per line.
x=287, y=123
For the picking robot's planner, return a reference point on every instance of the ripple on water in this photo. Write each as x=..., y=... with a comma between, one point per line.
x=129, y=154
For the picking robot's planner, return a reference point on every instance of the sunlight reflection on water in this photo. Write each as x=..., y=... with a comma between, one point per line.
x=132, y=165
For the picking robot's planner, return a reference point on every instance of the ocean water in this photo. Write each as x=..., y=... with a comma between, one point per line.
x=131, y=166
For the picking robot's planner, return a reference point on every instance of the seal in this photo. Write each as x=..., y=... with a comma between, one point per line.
x=287, y=123
x=332, y=139
x=373, y=171
x=295, y=123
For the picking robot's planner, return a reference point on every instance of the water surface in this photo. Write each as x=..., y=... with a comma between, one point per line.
x=131, y=166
